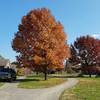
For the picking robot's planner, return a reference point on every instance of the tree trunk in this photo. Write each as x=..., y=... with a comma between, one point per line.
x=89, y=75
x=45, y=73
x=37, y=72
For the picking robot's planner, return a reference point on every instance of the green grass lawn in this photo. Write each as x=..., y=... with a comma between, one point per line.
x=87, y=89
x=1, y=84
x=39, y=82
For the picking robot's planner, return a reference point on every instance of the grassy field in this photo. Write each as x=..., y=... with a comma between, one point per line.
x=87, y=89
x=39, y=82
x=1, y=83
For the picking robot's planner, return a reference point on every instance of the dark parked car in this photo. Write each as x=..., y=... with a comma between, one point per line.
x=7, y=74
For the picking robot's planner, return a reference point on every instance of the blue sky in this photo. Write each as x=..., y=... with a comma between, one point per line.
x=79, y=17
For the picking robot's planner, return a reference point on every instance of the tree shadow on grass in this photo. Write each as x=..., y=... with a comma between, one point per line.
x=27, y=80
x=20, y=80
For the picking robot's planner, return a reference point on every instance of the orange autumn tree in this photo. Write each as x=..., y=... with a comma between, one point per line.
x=40, y=42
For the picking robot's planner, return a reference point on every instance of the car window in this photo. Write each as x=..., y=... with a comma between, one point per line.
x=4, y=70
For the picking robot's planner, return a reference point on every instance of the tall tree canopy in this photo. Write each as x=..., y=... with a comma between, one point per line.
x=86, y=50
x=40, y=41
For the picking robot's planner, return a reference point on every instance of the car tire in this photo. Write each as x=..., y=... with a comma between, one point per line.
x=14, y=78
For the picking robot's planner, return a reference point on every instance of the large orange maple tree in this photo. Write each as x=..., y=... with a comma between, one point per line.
x=40, y=42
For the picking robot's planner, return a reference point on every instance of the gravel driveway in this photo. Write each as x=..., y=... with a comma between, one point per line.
x=10, y=91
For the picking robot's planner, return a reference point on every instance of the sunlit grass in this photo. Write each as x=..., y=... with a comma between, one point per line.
x=1, y=84
x=39, y=82
x=87, y=89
